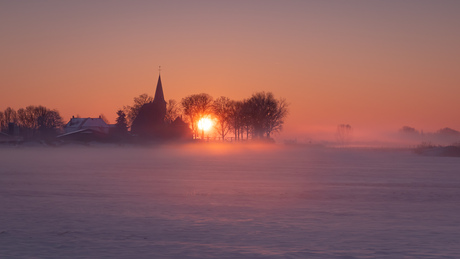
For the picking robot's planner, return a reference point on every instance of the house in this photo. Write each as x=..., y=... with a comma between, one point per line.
x=95, y=124
x=86, y=129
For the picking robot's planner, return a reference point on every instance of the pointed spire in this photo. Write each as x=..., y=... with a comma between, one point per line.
x=159, y=96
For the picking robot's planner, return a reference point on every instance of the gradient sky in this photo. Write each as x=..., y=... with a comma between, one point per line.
x=371, y=64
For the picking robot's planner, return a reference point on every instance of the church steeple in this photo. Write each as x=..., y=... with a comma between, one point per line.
x=159, y=96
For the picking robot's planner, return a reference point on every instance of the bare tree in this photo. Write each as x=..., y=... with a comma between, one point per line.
x=2, y=126
x=26, y=117
x=222, y=109
x=132, y=111
x=40, y=113
x=173, y=110
x=39, y=119
x=236, y=118
x=344, y=133
x=50, y=122
x=195, y=107
x=409, y=130
x=9, y=115
x=245, y=119
x=266, y=114
x=275, y=120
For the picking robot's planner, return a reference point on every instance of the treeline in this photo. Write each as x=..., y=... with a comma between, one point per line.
x=31, y=121
x=257, y=117
x=444, y=136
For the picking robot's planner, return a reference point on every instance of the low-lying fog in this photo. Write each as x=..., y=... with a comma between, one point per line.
x=227, y=201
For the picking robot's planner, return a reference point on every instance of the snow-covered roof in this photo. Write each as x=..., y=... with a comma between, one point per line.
x=86, y=123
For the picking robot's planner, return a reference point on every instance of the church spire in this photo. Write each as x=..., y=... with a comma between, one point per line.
x=159, y=96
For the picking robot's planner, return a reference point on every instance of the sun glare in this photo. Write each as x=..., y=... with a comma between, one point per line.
x=205, y=124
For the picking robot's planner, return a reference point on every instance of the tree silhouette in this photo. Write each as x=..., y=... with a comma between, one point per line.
x=448, y=132
x=275, y=119
x=172, y=111
x=121, y=126
x=2, y=126
x=409, y=130
x=39, y=120
x=344, y=133
x=266, y=114
x=236, y=118
x=26, y=117
x=40, y=114
x=133, y=111
x=245, y=114
x=196, y=106
x=50, y=122
x=240, y=119
x=222, y=109
x=9, y=116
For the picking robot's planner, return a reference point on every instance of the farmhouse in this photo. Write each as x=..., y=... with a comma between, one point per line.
x=86, y=129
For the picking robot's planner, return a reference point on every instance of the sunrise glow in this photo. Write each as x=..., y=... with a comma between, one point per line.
x=334, y=63
x=205, y=124
x=230, y=129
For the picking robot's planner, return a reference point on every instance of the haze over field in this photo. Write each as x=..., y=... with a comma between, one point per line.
x=374, y=65
x=334, y=76
x=211, y=201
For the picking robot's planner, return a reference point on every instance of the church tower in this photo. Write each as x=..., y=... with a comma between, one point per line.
x=159, y=99
x=150, y=121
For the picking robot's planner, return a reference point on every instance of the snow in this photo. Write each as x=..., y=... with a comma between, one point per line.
x=207, y=201
x=76, y=124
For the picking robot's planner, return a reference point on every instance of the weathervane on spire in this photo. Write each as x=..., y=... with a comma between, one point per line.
x=159, y=69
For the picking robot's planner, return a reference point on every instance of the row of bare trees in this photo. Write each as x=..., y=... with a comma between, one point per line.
x=31, y=121
x=344, y=133
x=257, y=117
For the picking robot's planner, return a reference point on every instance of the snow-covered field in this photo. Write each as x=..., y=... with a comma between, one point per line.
x=211, y=201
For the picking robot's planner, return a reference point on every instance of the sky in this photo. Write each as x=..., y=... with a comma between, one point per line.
x=376, y=65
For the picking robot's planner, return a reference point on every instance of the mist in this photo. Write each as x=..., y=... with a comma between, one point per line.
x=217, y=200
x=372, y=137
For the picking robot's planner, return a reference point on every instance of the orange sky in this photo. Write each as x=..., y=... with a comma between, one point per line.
x=374, y=65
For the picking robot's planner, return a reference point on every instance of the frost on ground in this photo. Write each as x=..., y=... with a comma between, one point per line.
x=222, y=202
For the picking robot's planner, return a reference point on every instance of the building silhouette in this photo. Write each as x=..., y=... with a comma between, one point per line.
x=86, y=130
x=95, y=124
x=150, y=121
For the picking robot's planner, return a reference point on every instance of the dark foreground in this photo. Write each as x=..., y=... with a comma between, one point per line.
x=216, y=202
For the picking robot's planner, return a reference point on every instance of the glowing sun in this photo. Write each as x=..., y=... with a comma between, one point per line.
x=204, y=124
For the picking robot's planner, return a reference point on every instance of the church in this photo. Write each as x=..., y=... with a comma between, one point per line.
x=150, y=121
